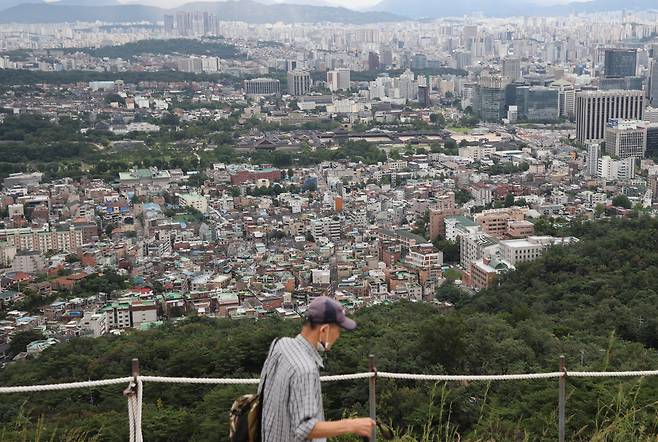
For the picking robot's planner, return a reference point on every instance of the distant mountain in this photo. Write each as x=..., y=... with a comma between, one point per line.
x=85, y=2
x=256, y=12
x=243, y=10
x=605, y=5
x=443, y=8
x=6, y=4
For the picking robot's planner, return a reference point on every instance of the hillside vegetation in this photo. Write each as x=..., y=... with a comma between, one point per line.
x=173, y=46
x=594, y=302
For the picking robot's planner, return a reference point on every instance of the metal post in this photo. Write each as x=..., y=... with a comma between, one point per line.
x=372, y=396
x=562, y=398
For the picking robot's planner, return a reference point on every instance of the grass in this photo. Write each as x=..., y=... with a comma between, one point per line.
x=452, y=274
x=26, y=431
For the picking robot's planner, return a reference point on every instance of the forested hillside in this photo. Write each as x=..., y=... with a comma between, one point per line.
x=595, y=302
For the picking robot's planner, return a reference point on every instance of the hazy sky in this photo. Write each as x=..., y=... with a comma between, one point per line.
x=353, y=4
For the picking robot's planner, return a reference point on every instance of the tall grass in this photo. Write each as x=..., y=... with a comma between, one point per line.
x=22, y=429
x=625, y=420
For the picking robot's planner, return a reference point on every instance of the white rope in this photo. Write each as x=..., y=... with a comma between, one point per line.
x=332, y=378
x=175, y=380
x=611, y=374
x=493, y=377
x=71, y=385
x=245, y=381
x=131, y=416
x=134, y=392
x=347, y=377
x=138, y=411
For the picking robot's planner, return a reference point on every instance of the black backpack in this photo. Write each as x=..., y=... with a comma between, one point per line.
x=247, y=413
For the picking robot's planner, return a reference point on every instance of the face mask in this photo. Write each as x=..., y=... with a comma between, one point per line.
x=323, y=346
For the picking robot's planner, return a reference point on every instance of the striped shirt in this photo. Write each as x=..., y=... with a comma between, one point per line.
x=292, y=403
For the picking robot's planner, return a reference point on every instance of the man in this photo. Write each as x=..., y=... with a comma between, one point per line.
x=292, y=398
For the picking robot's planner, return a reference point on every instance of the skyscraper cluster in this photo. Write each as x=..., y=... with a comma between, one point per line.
x=191, y=24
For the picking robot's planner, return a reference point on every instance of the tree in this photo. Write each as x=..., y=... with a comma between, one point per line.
x=21, y=339
x=112, y=98
x=197, y=179
x=450, y=144
x=438, y=120
x=599, y=210
x=622, y=201
x=449, y=248
x=462, y=196
x=420, y=226
x=450, y=293
x=509, y=200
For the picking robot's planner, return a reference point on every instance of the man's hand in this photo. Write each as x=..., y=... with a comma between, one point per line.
x=362, y=426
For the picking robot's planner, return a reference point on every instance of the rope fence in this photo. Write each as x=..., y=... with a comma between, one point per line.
x=134, y=390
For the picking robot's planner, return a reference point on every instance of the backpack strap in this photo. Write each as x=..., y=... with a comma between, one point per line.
x=261, y=392
x=262, y=387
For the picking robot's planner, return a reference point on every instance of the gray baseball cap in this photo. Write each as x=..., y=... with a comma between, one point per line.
x=325, y=310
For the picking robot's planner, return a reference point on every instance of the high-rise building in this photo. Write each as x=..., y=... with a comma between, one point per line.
x=537, y=103
x=463, y=59
x=419, y=62
x=299, y=82
x=595, y=108
x=489, y=100
x=592, y=160
x=338, y=79
x=262, y=86
x=652, y=141
x=195, y=23
x=611, y=169
x=373, y=61
x=651, y=114
x=469, y=37
x=566, y=98
x=169, y=24
x=443, y=207
x=628, y=83
x=190, y=64
x=183, y=23
x=653, y=83
x=512, y=68
x=624, y=139
x=407, y=85
x=620, y=62
x=210, y=64
x=386, y=57
x=424, y=96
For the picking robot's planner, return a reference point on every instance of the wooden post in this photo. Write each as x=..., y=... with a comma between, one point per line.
x=131, y=389
x=135, y=369
x=372, y=398
x=562, y=399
